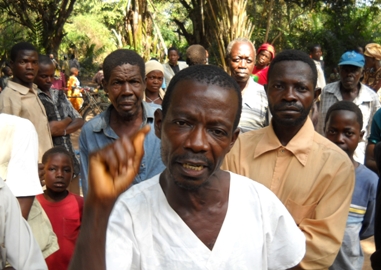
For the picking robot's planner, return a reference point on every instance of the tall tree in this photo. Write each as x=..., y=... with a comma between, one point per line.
x=44, y=18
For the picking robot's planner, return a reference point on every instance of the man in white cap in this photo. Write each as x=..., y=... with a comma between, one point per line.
x=349, y=88
x=372, y=70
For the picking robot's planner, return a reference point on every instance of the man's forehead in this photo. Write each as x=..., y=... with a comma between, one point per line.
x=24, y=53
x=279, y=69
x=240, y=45
x=126, y=67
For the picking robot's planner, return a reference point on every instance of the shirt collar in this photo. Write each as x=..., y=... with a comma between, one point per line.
x=300, y=145
x=363, y=96
x=21, y=88
x=104, y=122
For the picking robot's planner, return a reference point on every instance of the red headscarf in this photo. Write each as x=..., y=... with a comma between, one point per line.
x=267, y=47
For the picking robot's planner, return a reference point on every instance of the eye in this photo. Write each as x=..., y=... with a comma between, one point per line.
x=330, y=131
x=218, y=132
x=52, y=169
x=181, y=123
x=349, y=133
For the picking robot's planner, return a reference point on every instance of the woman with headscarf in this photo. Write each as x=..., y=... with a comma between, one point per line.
x=265, y=54
x=154, y=79
x=372, y=69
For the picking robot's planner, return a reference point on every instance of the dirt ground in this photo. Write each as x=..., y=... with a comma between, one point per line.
x=367, y=245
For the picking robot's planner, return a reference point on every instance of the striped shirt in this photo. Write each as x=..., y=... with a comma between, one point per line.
x=254, y=107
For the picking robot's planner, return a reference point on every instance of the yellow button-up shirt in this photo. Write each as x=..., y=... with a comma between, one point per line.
x=18, y=100
x=311, y=176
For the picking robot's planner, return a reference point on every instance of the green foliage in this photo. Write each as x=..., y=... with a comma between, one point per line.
x=89, y=39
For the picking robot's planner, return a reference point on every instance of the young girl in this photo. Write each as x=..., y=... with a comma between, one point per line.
x=63, y=208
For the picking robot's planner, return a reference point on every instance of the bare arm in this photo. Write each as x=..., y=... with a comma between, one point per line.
x=57, y=128
x=76, y=124
x=25, y=205
x=370, y=162
x=111, y=172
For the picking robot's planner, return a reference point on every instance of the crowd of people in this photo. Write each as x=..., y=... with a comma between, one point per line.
x=190, y=167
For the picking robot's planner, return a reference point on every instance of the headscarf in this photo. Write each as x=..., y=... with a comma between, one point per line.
x=373, y=50
x=152, y=65
x=267, y=47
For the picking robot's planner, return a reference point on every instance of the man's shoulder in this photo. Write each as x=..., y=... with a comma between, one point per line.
x=141, y=194
x=368, y=92
x=331, y=88
x=366, y=176
x=328, y=148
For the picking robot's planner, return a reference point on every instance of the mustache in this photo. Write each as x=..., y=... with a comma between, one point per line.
x=289, y=105
x=194, y=157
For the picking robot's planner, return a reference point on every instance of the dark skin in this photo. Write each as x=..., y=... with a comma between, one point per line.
x=154, y=80
x=350, y=82
x=125, y=89
x=291, y=93
x=241, y=62
x=25, y=68
x=194, y=144
x=44, y=81
x=58, y=174
x=196, y=134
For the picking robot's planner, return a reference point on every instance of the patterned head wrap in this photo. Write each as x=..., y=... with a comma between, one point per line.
x=373, y=50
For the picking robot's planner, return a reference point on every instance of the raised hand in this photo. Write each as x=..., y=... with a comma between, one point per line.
x=113, y=168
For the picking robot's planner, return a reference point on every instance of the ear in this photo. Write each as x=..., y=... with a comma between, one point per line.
x=158, y=122
x=234, y=138
x=361, y=135
x=317, y=93
x=105, y=85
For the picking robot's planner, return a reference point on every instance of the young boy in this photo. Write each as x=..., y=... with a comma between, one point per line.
x=63, y=208
x=343, y=124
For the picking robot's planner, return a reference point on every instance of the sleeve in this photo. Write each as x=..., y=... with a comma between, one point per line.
x=22, y=177
x=10, y=102
x=72, y=113
x=23, y=251
x=324, y=232
x=367, y=229
x=84, y=161
x=284, y=240
x=121, y=246
x=375, y=131
x=375, y=105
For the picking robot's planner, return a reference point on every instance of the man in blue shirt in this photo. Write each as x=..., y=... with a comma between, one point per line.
x=124, y=82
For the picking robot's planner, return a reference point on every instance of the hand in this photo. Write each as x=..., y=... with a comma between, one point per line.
x=113, y=168
x=41, y=173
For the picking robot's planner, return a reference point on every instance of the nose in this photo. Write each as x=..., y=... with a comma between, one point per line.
x=197, y=140
x=339, y=138
x=29, y=65
x=59, y=173
x=242, y=63
x=289, y=94
x=127, y=89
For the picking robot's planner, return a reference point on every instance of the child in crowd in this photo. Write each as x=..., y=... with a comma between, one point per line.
x=73, y=93
x=343, y=124
x=63, y=208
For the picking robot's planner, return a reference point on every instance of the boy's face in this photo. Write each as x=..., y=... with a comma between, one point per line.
x=25, y=67
x=343, y=130
x=58, y=172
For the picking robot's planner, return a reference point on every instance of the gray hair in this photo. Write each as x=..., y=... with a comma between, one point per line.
x=231, y=44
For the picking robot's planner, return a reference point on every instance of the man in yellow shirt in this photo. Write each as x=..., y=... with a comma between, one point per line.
x=311, y=176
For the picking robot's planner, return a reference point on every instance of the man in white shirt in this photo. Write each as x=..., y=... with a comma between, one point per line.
x=193, y=215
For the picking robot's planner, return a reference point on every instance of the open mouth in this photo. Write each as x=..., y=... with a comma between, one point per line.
x=193, y=167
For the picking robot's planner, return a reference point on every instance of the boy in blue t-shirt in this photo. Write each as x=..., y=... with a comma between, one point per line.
x=343, y=124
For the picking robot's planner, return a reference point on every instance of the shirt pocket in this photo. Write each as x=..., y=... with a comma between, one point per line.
x=300, y=212
x=71, y=228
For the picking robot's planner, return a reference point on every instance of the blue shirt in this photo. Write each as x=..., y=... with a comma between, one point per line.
x=97, y=133
x=360, y=223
